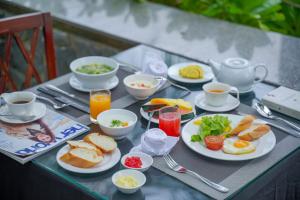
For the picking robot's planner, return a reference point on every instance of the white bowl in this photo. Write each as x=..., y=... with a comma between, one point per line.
x=141, y=93
x=94, y=81
x=139, y=176
x=104, y=120
x=147, y=161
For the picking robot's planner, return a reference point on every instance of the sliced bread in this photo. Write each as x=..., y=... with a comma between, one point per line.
x=103, y=142
x=254, y=132
x=82, y=144
x=244, y=124
x=82, y=157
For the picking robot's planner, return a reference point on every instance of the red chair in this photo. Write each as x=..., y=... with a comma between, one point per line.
x=10, y=29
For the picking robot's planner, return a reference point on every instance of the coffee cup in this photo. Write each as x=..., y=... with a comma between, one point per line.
x=19, y=103
x=216, y=93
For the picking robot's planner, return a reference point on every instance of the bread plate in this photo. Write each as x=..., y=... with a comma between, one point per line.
x=263, y=145
x=109, y=161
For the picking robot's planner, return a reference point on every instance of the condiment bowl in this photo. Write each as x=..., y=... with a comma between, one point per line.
x=105, y=119
x=141, y=93
x=92, y=81
x=138, y=176
x=146, y=159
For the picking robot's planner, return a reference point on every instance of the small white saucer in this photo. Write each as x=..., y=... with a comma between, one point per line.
x=231, y=104
x=77, y=85
x=39, y=111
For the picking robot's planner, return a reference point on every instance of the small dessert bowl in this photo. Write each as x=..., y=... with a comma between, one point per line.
x=146, y=159
x=141, y=86
x=117, y=123
x=139, y=177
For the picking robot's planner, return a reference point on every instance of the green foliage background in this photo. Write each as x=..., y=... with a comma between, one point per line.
x=272, y=15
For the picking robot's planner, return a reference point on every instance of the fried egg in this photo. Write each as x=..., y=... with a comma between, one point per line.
x=236, y=146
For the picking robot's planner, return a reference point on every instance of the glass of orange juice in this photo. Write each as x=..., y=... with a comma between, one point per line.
x=99, y=102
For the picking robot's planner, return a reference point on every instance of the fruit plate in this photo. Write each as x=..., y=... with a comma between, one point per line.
x=110, y=160
x=185, y=117
x=173, y=73
x=263, y=145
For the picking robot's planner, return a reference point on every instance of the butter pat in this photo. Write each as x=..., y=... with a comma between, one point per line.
x=127, y=182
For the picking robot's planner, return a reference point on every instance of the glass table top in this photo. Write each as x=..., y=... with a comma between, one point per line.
x=159, y=185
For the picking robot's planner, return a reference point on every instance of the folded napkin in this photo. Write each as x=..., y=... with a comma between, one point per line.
x=155, y=142
x=154, y=64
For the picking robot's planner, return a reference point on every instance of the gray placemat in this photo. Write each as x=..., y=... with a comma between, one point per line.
x=230, y=174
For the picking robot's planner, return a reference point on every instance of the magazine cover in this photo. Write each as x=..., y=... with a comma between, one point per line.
x=26, y=141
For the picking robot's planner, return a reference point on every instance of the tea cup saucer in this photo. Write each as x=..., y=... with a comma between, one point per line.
x=231, y=104
x=77, y=85
x=39, y=111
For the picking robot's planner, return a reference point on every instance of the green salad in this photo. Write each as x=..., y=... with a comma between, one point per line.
x=212, y=125
x=94, y=69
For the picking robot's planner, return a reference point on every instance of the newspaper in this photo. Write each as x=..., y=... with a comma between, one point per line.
x=23, y=142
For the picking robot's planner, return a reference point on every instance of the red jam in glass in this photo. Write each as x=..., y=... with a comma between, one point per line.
x=134, y=162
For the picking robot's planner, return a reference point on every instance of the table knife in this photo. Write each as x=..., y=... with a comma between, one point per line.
x=56, y=89
x=69, y=95
x=62, y=99
x=73, y=104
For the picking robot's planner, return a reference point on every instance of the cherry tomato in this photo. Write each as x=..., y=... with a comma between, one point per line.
x=214, y=142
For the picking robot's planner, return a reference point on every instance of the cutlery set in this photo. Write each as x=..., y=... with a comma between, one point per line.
x=65, y=98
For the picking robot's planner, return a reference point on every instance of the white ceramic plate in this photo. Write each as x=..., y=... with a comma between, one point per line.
x=77, y=85
x=231, y=104
x=154, y=120
x=108, y=162
x=263, y=145
x=39, y=110
x=173, y=73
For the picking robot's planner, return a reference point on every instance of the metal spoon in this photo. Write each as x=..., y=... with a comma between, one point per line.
x=23, y=118
x=266, y=112
x=55, y=105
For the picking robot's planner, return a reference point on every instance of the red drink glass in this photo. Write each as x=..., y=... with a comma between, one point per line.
x=169, y=121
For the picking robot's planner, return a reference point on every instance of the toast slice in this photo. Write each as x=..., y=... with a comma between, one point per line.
x=254, y=132
x=244, y=124
x=82, y=157
x=103, y=142
x=82, y=144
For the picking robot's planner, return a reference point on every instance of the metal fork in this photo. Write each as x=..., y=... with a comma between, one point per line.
x=178, y=168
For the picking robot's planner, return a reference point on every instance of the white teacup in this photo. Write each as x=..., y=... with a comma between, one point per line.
x=19, y=103
x=216, y=93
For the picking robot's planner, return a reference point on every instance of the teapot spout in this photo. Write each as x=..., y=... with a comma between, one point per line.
x=215, y=66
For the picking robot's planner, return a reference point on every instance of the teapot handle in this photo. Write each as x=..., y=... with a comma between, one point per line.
x=260, y=79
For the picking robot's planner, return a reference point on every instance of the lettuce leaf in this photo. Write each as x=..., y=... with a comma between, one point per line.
x=211, y=125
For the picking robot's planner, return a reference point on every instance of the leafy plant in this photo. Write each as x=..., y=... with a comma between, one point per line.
x=271, y=15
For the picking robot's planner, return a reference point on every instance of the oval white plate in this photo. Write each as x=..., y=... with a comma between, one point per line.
x=154, y=120
x=108, y=162
x=39, y=110
x=231, y=104
x=263, y=145
x=76, y=84
x=173, y=73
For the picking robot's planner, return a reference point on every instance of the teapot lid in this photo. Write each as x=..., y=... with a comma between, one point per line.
x=236, y=63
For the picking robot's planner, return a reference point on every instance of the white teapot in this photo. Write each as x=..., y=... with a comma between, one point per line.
x=238, y=72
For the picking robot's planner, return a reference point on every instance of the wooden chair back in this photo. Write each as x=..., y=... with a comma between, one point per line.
x=10, y=29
